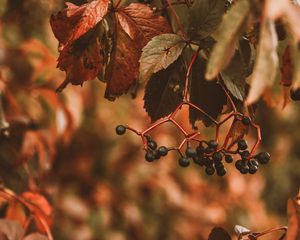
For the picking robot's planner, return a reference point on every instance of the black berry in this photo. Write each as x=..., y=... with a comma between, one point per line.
x=209, y=150
x=254, y=162
x=210, y=170
x=239, y=164
x=149, y=157
x=221, y=171
x=190, y=152
x=228, y=159
x=120, y=129
x=163, y=151
x=212, y=144
x=295, y=94
x=184, y=162
x=156, y=155
x=152, y=145
x=242, y=145
x=245, y=154
x=200, y=150
x=217, y=157
x=246, y=120
x=199, y=160
x=253, y=169
x=263, y=157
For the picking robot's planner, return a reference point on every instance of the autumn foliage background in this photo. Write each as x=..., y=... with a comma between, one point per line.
x=64, y=146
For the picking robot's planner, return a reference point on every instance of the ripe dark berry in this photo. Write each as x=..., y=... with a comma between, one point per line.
x=245, y=154
x=199, y=160
x=242, y=145
x=207, y=161
x=209, y=150
x=146, y=1
x=212, y=144
x=156, y=154
x=253, y=169
x=200, y=150
x=120, y=129
x=263, y=157
x=184, y=162
x=295, y=94
x=254, y=162
x=239, y=164
x=210, y=170
x=221, y=171
x=149, y=156
x=152, y=145
x=163, y=151
x=246, y=120
x=190, y=152
x=228, y=159
x=217, y=157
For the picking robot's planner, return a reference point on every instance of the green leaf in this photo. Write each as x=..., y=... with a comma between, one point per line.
x=159, y=53
x=164, y=91
x=226, y=36
x=234, y=76
x=204, y=17
x=266, y=64
x=209, y=96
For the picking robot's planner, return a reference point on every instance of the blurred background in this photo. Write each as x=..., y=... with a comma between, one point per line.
x=64, y=146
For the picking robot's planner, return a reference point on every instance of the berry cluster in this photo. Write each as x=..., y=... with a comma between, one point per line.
x=208, y=154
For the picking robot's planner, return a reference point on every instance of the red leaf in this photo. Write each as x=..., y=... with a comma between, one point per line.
x=122, y=70
x=74, y=21
x=141, y=24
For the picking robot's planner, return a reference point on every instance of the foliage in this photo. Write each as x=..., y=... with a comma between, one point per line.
x=65, y=175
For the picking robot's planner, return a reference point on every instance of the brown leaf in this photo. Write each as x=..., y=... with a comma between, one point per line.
x=141, y=24
x=10, y=230
x=82, y=60
x=266, y=64
x=122, y=70
x=71, y=23
x=293, y=208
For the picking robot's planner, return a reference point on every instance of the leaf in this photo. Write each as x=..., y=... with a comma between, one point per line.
x=36, y=236
x=82, y=60
x=265, y=68
x=218, y=233
x=11, y=230
x=227, y=34
x=159, y=53
x=234, y=75
x=164, y=91
x=38, y=200
x=73, y=22
x=204, y=17
x=15, y=212
x=141, y=24
x=122, y=70
x=209, y=96
x=293, y=210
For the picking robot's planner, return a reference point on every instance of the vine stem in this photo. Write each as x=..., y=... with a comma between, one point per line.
x=117, y=4
x=188, y=73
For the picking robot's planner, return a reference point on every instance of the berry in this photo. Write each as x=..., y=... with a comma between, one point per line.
x=253, y=169
x=245, y=154
x=156, y=155
x=217, y=157
x=228, y=158
x=184, y=162
x=190, y=152
x=120, y=129
x=152, y=144
x=212, y=144
x=145, y=1
x=263, y=157
x=221, y=171
x=244, y=168
x=150, y=157
x=295, y=94
x=209, y=150
x=163, y=151
x=254, y=162
x=200, y=150
x=239, y=164
x=246, y=120
x=199, y=160
x=210, y=170
x=242, y=145
x=207, y=162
